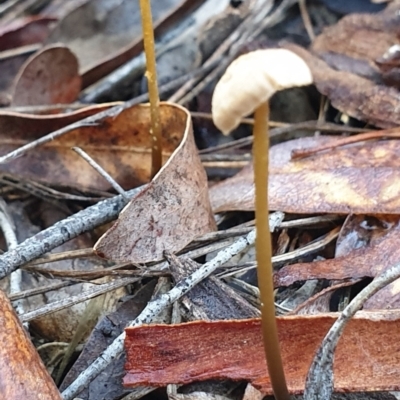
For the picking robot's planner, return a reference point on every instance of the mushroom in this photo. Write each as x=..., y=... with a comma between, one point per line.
x=245, y=87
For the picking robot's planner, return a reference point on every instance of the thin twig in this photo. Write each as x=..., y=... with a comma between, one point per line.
x=79, y=298
x=372, y=135
x=102, y=172
x=7, y=226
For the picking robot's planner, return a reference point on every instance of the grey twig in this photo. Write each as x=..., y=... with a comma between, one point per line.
x=67, y=229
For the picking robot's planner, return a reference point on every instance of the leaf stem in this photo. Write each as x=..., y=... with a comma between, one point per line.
x=264, y=254
x=151, y=75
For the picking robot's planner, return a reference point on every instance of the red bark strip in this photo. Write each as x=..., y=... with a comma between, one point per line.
x=367, y=358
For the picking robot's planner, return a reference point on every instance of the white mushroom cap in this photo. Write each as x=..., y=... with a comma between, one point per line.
x=251, y=80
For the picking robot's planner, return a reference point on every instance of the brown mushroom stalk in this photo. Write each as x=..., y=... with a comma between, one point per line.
x=245, y=87
x=151, y=75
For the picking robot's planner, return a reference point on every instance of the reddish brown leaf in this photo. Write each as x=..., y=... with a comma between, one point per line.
x=365, y=262
x=49, y=77
x=173, y=209
x=25, y=31
x=367, y=358
x=22, y=373
x=358, y=232
x=361, y=178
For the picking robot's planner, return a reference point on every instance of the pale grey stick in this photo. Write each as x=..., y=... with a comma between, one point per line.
x=7, y=226
x=155, y=306
x=319, y=382
x=59, y=233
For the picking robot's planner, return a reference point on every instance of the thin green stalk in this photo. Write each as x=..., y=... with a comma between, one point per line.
x=264, y=254
x=151, y=75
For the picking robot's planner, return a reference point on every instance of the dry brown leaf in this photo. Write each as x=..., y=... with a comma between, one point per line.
x=173, y=209
x=362, y=178
x=358, y=232
x=104, y=35
x=383, y=252
x=10, y=64
x=22, y=373
x=120, y=144
x=354, y=95
x=50, y=76
x=366, y=358
x=360, y=36
x=25, y=31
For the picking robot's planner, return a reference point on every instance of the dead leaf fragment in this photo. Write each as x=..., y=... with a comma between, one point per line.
x=172, y=210
x=369, y=261
x=120, y=144
x=363, y=178
x=25, y=31
x=366, y=358
x=50, y=76
x=104, y=35
x=22, y=373
x=347, y=66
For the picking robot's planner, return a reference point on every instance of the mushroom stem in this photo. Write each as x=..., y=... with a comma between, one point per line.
x=151, y=75
x=264, y=253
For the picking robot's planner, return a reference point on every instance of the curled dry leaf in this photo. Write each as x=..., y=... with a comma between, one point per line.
x=120, y=144
x=50, y=76
x=366, y=358
x=22, y=373
x=362, y=178
x=174, y=208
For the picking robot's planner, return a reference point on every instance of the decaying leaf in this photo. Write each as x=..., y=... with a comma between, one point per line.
x=50, y=76
x=173, y=209
x=383, y=252
x=361, y=178
x=105, y=34
x=354, y=95
x=121, y=145
x=366, y=358
x=25, y=31
x=22, y=373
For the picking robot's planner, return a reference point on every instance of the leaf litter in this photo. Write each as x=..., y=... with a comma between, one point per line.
x=354, y=184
